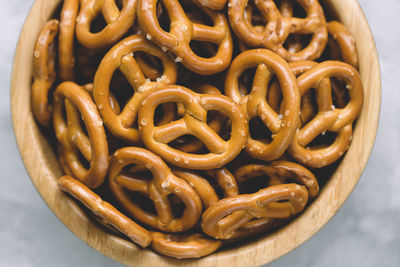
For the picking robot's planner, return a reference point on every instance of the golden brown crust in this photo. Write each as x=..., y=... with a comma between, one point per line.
x=282, y=126
x=194, y=122
x=278, y=28
x=328, y=118
x=94, y=148
x=66, y=57
x=44, y=72
x=122, y=57
x=163, y=184
x=118, y=22
x=183, y=30
x=105, y=211
x=184, y=246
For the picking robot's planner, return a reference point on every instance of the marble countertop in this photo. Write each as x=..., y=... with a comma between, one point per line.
x=365, y=232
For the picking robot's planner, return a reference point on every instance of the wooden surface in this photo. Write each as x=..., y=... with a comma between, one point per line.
x=43, y=169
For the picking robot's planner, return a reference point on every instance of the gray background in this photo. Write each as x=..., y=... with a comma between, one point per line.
x=363, y=233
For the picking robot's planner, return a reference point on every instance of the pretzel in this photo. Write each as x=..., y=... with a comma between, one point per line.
x=118, y=22
x=282, y=126
x=94, y=148
x=346, y=43
x=217, y=220
x=66, y=58
x=278, y=28
x=194, y=122
x=121, y=57
x=279, y=172
x=105, y=211
x=163, y=184
x=328, y=118
x=44, y=73
x=183, y=31
x=184, y=246
x=216, y=122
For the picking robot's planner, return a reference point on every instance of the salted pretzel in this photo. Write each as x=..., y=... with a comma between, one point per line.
x=282, y=126
x=66, y=57
x=122, y=57
x=279, y=27
x=278, y=172
x=183, y=31
x=266, y=203
x=346, y=45
x=216, y=121
x=194, y=122
x=184, y=246
x=94, y=148
x=328, y=118
x=105, y=211
x=44, y=72
x=163, y=184
x=118, y=22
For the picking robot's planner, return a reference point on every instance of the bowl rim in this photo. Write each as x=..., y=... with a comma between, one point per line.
x=262, y=251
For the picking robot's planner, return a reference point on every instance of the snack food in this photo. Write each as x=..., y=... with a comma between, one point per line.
x=216, y=150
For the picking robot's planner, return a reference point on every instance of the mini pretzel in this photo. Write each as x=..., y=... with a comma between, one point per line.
x=119, y=22
x=279, y=172
x=184, y=246
x=282, y=126
x=194, y=122
x=345, y=41
x=66, y=58
x=183, y=31
x=44, y=73
x=163, y=184
x=96, y=146
x=121, y=57
x=105, y=211
x=217, y=220
x=216, y=122
x=328, y=118
x=278, y=28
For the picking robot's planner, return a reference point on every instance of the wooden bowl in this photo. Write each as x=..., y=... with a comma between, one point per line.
x=42, y=166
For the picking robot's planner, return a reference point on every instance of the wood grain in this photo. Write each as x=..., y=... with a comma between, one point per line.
x=40, y=162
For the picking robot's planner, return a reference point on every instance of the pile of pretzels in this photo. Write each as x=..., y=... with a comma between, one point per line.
x=186, y=125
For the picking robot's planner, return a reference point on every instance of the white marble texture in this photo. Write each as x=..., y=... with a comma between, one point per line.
x=365, y=232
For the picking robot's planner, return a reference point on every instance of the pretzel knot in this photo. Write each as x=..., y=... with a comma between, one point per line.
x=118, y=22
x=184, y=246
x=225, y=217
x=122, y=57
x=194, y=122
x=163, y=184
x=282, y=126
x=105, y=211
x=278, y=27
x=216, y=121
x=94, y=148
x=44, y=73
x=183, y=31
x=328, y=118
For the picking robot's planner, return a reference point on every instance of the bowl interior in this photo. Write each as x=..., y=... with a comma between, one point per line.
x=41, y=163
